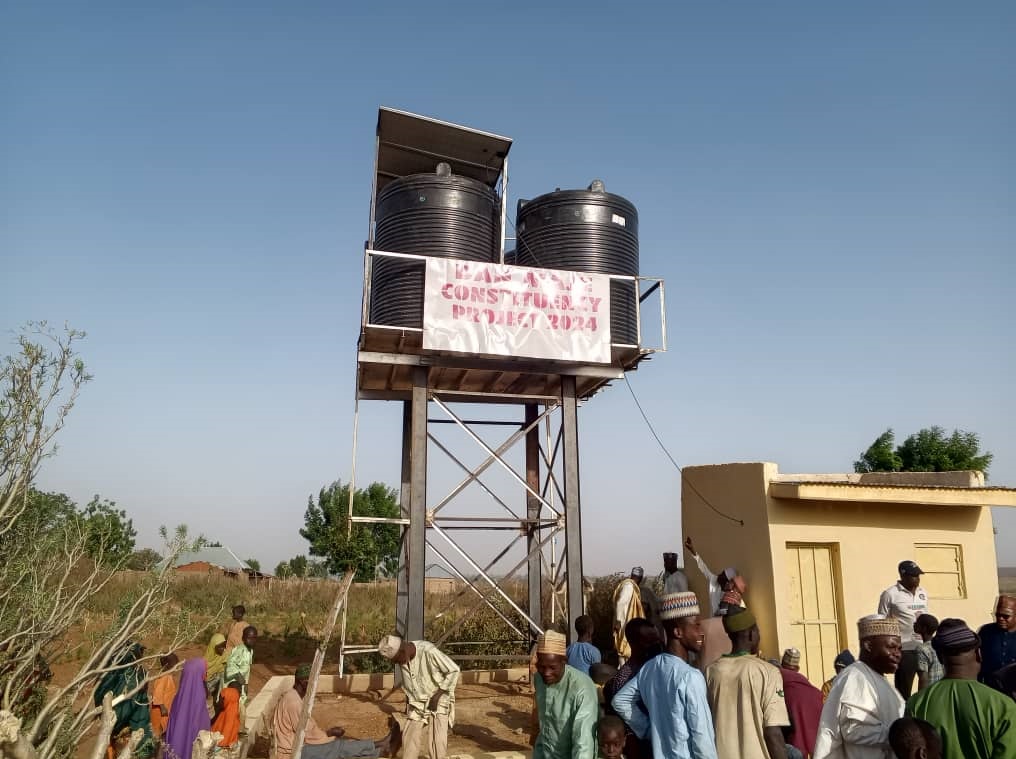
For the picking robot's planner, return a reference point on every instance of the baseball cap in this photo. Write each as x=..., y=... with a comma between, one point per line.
x=910, y=568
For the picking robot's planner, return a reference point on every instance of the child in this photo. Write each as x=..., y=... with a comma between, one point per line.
x=610, y=735
x=733, y=595
x=914, y=739
x=163, y=693
x=601, y=674
x=929, y=668
x=582, y=652
x=215, y=655
x=227, y=720
x=234, y=630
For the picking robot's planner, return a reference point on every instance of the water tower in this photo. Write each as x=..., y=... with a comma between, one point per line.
x=459, y=336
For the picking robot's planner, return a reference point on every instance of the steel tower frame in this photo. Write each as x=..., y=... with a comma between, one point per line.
x=393, y=366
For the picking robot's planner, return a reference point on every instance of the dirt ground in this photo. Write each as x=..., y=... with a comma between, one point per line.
x=488, y=717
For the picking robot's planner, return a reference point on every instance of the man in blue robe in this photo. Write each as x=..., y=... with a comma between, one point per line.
x=667, y=700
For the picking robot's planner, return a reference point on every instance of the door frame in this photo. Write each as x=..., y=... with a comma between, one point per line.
x=837, y=578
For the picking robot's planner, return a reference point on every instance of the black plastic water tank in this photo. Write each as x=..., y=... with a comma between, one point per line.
x=585, y=230
x=439, y=214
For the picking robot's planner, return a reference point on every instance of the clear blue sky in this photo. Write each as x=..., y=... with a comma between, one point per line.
x=827, y=189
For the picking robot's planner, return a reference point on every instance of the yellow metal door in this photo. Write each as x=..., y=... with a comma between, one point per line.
x=814, y=607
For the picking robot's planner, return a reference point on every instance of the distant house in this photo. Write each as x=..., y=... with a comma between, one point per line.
x=437, y=579
x=214, y=559
x=818, y=549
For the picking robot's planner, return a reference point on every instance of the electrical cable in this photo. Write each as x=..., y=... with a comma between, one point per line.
x=663, y=448
x=645, y=418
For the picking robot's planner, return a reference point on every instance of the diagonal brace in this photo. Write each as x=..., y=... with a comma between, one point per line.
x=495, y=456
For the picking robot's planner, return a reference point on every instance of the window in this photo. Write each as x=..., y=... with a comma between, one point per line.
x=943, y=569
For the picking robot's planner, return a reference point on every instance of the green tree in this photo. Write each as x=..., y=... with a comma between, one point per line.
x=932, y=450
x=929, y=450
x=254, y=564
x=298, y=566
x=318, y=569
x=366, y=545
x=282, y=570
x=44, y=513
x=109, y=534
x=144, y=560
x=880, y=456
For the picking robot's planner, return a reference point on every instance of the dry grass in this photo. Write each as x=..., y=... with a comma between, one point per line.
x=290, y=613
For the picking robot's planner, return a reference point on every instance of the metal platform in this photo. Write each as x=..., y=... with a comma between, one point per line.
x=387, y=357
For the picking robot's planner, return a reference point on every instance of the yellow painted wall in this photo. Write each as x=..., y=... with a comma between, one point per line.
x=872, y=539
x=738, y=490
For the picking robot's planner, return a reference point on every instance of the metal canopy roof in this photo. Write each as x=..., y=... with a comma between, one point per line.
x=412, y=144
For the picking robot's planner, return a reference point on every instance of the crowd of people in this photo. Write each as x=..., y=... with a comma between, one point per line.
x=210, y=695
x=677, y=693
x=675, y=696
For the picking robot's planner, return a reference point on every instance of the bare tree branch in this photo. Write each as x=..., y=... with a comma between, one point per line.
x=13, y=743
x=105, y=728
x=54, y=563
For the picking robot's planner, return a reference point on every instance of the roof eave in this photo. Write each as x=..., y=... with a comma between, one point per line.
x=849, y=492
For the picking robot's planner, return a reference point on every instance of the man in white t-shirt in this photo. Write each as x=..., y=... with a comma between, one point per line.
x=906, y=601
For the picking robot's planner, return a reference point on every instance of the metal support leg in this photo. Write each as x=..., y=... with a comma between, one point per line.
x=533, y=509
x=402, y=581
x=573, y=522
x=417, y=565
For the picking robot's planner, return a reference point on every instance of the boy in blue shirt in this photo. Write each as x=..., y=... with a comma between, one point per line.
x=582, y=653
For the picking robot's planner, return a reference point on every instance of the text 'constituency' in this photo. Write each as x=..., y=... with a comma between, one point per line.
x=500, y=310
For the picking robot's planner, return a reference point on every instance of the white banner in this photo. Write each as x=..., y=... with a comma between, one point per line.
x=497, y=310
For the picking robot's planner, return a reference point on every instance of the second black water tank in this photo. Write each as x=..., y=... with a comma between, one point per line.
x=585, y=230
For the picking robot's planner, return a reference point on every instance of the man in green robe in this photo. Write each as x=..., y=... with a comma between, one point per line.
x=974, y=721
x=566, y=703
